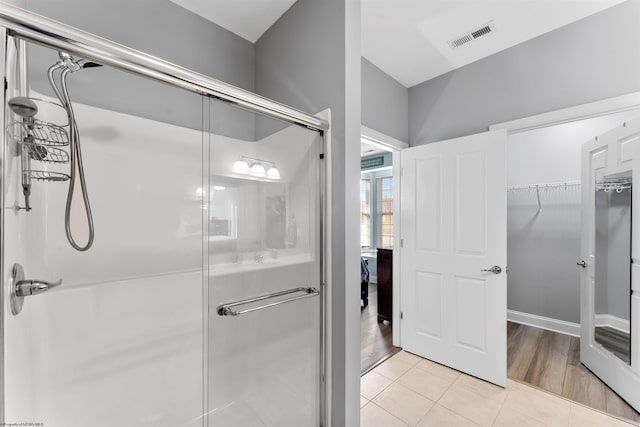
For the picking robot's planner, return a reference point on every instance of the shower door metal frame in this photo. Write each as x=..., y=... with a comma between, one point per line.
x=38, y=29
x=3, y=57
x=24, y=26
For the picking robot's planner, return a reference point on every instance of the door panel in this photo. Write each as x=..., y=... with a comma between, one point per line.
x=428, y=304
x=428, y=177
x=454, y=226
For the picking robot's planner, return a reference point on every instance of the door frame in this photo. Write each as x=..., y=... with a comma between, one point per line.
x=387, y=142
x=618, y=104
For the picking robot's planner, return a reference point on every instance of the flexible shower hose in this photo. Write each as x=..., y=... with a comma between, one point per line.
x=75, y=158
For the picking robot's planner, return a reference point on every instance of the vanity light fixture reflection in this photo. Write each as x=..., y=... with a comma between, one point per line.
x=240, y=166
x=257, y=170
x=256, y=167
x=273, y=172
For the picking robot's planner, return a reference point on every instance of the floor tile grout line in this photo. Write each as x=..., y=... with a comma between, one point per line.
x=402, y=421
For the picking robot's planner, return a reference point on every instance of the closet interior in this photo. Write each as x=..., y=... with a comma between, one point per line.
x=545, y=203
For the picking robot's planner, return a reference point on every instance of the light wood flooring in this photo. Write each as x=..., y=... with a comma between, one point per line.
x=375, y=338
x=551, y=361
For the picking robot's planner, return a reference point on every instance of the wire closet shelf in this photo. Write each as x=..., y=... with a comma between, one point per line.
x=545, y=188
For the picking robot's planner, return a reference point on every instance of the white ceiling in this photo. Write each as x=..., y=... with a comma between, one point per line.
x=407, y=39
x=247, y=18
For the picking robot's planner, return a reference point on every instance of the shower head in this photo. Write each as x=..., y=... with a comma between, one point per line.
x=23, y=106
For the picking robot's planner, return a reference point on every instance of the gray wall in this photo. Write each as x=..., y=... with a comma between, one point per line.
x=385, y=102
x=310, y=59
x=162, y=29
x=542, y=251
x=595, y=58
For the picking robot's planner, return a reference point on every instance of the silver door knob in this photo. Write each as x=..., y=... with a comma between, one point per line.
x=582, y=264
x=495, y=270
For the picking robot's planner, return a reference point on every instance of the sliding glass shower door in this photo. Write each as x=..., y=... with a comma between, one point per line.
x=264, y=278
x=198, y=300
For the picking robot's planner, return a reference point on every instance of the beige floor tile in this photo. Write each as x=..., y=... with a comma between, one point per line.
x=440, y=416
x=430, y=386
x=374, y=416
x=508, y=417
x=408, y=357
x=438, y=369
x=481, y=387
x=474, y=399
x=393, y=368
x=404, y=403
x=363, y=401
x=544, y=407
x=372, y=383
x=584, y=417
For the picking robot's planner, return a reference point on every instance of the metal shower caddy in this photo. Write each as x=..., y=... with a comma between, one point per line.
x=38, y=141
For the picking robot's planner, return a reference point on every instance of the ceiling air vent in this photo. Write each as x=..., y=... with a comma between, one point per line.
x=470, y=36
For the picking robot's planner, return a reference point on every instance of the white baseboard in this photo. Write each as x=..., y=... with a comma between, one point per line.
x=613, y=322
x=555, y=325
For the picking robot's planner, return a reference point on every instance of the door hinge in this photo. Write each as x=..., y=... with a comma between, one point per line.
x=402, y=243
x=401, y=315
x=401, y=171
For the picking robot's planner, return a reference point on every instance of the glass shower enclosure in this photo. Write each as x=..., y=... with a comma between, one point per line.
x=199, y=300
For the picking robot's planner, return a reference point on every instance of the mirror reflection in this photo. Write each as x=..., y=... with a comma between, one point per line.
x=613, y=264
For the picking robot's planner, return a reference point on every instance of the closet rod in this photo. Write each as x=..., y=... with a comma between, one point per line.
x=547, y=186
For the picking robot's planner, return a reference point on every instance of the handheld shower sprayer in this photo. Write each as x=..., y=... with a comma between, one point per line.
x=67, y=65
x=24, y=107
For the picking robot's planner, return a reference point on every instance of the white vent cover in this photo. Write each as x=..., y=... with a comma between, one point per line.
x=470, y=36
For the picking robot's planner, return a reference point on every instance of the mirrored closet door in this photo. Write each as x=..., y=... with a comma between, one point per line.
x=610, y=280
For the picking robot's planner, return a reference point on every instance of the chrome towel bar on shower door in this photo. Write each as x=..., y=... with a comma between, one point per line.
x=228, y=308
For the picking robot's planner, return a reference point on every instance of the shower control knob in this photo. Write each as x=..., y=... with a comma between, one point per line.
x=25, y=288
x=20, y=288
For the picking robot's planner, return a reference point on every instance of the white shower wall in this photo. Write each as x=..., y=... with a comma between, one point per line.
x=122, y=341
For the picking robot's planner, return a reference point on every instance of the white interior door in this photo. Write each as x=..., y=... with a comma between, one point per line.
x=611, y=156
x=454, y=231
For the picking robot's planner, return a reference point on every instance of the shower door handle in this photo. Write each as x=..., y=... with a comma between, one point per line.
x=582, y=264
x=229, y=309
x=25, y=288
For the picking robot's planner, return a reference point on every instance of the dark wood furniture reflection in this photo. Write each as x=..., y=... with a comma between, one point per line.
x=385, y=284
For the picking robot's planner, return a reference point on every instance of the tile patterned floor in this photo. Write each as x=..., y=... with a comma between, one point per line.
x=407, y=390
